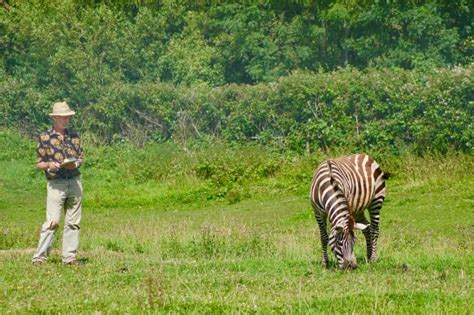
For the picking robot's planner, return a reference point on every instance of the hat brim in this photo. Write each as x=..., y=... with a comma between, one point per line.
x=71, y=113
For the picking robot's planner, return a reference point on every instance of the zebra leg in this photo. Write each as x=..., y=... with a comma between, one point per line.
x=368, y=238
x=374, y=212
x=321, y=218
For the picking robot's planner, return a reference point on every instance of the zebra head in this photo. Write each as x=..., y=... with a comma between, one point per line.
x=342, y=240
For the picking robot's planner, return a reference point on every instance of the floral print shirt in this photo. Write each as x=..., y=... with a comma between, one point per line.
x=54, y=147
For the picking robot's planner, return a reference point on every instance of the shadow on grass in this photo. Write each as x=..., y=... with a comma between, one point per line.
x=57, y=260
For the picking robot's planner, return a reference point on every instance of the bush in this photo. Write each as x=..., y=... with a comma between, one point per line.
x=373, y=109
x=138, y=71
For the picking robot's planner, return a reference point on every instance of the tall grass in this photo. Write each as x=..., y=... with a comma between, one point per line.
x=229, y=229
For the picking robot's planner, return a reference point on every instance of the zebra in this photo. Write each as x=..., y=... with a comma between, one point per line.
x=341, y=190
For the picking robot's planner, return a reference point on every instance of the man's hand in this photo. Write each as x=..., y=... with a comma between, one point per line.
x=48, y=166
x=54, y=166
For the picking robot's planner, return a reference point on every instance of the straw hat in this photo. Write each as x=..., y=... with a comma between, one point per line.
x=61, y=109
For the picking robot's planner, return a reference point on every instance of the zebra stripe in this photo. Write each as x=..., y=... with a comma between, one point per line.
x=341, y=190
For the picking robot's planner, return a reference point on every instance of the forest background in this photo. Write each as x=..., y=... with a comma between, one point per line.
x=298, y=75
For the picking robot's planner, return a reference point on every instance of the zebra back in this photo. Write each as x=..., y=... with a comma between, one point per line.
x=347, y=185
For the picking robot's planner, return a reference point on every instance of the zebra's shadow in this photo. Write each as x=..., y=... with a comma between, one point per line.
x=362, y=263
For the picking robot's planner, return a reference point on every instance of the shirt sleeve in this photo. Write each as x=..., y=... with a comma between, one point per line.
x=78, y=146
x=41, y=152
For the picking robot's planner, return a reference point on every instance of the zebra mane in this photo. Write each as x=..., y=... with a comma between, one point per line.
x=351, y=220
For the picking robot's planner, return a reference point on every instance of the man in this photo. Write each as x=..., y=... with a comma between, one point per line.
x=60, y=155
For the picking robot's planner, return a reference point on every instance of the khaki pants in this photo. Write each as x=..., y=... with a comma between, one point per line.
x=63, y=194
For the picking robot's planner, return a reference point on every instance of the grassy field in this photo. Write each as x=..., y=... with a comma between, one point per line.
x=188, y=241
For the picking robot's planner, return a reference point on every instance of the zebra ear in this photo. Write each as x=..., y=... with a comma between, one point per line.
x=360, y=226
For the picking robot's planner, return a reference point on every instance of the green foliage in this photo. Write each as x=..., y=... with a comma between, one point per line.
x=142, y=70
x=227, y=170
x=14, y=146
x=384, y=109
x=146, y=249
x=168, y=174
x=217, y=43
x=189, y=59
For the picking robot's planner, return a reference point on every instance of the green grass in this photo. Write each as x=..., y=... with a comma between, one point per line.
x=159, y=246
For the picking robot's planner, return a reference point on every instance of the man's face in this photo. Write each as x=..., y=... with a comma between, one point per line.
x=61, y=121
